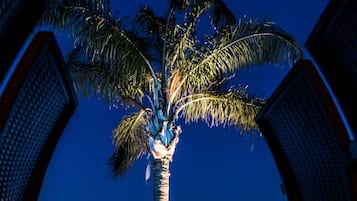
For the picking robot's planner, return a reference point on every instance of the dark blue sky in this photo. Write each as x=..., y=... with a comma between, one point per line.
x=209, y=164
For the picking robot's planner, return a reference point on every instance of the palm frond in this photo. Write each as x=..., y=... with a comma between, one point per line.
x=183, y=45
x=232, y=108
x=66, y=14
x=129, y=139
x=220, y=14
x=113, y=84
x=217, y=10
x=151, y=28
x=102, y=36
x=250, y=43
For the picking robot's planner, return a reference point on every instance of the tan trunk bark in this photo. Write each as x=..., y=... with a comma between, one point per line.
x=161, y=179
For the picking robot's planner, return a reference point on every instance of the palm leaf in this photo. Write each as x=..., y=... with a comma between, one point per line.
x=102, y=36
x=218, y=11
x=250, y=43
x=220, y=14
x=185, y=35
x=111, y=83
x=129, y=139
x=232, y=108
x=151, y=29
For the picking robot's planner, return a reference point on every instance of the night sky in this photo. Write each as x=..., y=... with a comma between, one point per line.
x=209, y=164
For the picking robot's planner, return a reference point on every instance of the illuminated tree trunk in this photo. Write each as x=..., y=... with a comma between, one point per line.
x=161, y=179
x=162, y=158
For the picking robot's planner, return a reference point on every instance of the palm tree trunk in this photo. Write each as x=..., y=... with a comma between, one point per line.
x=161, y=179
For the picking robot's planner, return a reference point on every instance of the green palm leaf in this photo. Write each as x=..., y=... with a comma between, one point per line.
x=250, y=43
x=151, y=29
x=113, y=84
x=103, y=36
x=217, y=10
x=232, y=108
x=106, y=43
x=184, y=36
x=129, y=139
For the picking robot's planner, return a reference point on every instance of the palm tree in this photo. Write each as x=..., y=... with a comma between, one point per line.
x=166, y=70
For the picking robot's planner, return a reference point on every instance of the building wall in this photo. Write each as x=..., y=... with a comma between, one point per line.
x=333, y=44
x=35, y=107
x=307, y=137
